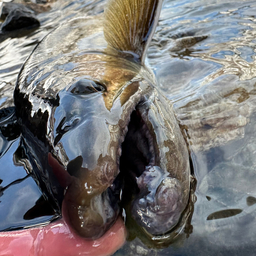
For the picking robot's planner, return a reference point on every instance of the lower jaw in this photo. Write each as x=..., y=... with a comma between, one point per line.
x=58, y=239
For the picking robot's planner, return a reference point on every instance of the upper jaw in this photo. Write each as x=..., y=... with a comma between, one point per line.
x=93, y=144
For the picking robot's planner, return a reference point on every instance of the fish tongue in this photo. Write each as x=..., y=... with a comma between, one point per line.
x=57, y=239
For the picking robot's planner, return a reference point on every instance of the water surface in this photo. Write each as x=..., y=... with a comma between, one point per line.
x=203, y=55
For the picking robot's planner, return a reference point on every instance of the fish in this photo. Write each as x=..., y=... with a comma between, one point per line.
x=91, y=115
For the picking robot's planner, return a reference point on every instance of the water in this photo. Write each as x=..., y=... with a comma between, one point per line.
x=203, y=55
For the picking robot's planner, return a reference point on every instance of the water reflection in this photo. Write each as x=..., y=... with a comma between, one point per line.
x=21, y=199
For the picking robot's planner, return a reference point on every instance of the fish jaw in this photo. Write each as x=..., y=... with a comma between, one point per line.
x=89, y=216
x=90, y=222
x=86, y=139
x=158, y=206
x=163, y=180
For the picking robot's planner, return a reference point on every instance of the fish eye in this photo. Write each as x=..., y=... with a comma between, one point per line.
x=85, y=86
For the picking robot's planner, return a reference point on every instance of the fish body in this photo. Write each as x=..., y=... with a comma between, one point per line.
x=82, y=97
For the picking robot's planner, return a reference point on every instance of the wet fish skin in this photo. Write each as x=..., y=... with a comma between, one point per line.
x=165, y=186
x=75, y=102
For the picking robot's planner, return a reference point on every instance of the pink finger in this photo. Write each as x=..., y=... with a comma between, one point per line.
x=57, y=239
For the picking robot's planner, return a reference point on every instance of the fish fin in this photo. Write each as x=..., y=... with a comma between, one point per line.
x=130, y=24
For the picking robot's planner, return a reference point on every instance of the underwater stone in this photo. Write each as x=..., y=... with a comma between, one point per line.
x=8, y=7
x=17, y=16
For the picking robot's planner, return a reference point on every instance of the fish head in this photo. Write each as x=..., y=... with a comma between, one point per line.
x=92, y=114
x=87, y=130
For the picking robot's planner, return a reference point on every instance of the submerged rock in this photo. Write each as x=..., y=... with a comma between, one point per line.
x=17, y=16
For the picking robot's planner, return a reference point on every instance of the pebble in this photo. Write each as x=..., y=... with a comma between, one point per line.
x=17, y=16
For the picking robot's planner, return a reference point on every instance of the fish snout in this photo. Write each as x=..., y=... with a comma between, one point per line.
x=92, y=216
x=158, y=206
x=90, y=204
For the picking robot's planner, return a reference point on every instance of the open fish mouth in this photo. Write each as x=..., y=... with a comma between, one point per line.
x=146, y=159
x=96, y=153
x=157, y=196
